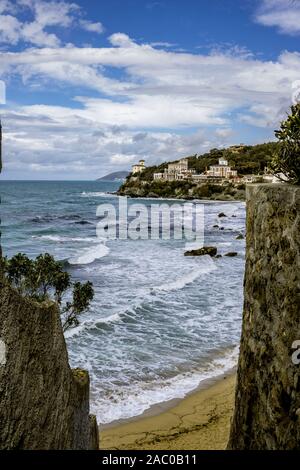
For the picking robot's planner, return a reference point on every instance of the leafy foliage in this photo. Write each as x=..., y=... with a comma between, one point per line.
x=44, y=279
x=287, y=157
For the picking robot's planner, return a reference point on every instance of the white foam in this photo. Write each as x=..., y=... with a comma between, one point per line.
x=60, y=239
x=188, y=278
x=139, y=397
x=97, y=194
x=89, y=255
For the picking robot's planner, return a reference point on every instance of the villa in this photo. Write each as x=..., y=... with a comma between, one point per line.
x=180, y=171
x=176, y=171
x=222, y=170
x=138, y=167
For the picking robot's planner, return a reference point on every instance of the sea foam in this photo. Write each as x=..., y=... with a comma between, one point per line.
x=89, y=255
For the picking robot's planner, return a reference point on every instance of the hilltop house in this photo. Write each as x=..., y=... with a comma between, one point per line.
x=176, y=171
x=138, y=167
x=222, y=170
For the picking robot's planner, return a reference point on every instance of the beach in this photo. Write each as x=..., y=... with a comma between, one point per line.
x=201, y=421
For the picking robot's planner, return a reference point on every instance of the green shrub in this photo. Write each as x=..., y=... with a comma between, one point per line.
x=44, y=279
x=286, y=159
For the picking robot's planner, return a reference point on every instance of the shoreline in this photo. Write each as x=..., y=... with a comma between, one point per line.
x=198, y=421
x=190, y=199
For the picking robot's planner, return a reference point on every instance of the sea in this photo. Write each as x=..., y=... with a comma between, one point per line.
x=160, y=323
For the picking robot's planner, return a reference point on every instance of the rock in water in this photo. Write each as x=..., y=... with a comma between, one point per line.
x=240, y=237
x=206, y=250
x=231, y=254
x=222, y=214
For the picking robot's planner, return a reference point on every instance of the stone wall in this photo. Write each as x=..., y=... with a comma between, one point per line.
x=267, y=406
x=43, y=403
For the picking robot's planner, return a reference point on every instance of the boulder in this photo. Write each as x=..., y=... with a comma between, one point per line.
x=240, y=237
x=231, y=254
x=206, y=250
x=222, y=214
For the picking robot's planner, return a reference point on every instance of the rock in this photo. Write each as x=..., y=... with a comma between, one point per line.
x=206, y=250
x=221, y=228
x=222, y=214
x=83, y=222
x=240, y=237
x=231, y=254
x=233, y=215
x=215, y=226
x=218, y=256
x=267, y=400
x=44, y=404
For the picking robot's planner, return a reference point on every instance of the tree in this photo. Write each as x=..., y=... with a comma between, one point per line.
x=286, y=159
x=44, y=279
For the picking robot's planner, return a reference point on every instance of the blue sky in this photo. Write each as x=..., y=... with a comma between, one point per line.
x=92, y=86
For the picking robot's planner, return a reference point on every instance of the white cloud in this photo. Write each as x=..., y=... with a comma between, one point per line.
x=283, y=14
x=92, y=27
x=46, y=14
x=9, y=29
x=160, y=88
x=142, y=109
x=121, y=40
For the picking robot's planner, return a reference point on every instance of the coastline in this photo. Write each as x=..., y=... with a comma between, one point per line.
x=200, y=421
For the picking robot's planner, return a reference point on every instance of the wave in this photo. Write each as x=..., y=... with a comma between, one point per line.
x=147, y=395
x=188, y=278
x=60, y=239
x=89, y=255
x=97, y=194
x=93, y=323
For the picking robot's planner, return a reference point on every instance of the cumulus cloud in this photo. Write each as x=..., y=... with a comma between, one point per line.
x=92, y=27
x=46, y=14
x=134, y=101
x=161, y=88
x=283, y=14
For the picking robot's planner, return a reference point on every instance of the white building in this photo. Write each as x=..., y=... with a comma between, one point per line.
x=138, y=167
x=158, y=176
x=222, y=170
x=181, y=166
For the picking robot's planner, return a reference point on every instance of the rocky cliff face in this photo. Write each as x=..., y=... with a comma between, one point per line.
x=43, y=403
x=267, y=407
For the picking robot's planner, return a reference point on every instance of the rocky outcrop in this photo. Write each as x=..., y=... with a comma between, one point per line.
x=205, y=250
x=267, y=404
x=43, y=403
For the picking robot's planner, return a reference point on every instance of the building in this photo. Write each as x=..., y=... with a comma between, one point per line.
x=176, y=171
x=158, y=176
x=138, y=167
x=180, y=167
x=222, y=170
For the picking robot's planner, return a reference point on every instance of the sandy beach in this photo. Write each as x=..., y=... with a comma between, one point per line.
x=198, y=422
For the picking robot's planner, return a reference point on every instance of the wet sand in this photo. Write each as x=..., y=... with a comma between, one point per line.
x=200, y=421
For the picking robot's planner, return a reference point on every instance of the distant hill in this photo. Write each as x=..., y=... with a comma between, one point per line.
x=115, y=176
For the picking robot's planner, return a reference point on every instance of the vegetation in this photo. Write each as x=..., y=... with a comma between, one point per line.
x=44, y=279
x=247, y=160
x=287, y=156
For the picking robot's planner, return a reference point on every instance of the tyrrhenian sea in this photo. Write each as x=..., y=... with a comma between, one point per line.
x=160, y=322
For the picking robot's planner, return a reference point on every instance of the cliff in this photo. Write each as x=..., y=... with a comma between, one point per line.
x=267, y=403
x=136, y=186
x=43, y=403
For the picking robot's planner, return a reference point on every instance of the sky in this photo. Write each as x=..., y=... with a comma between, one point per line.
x=94, y=86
